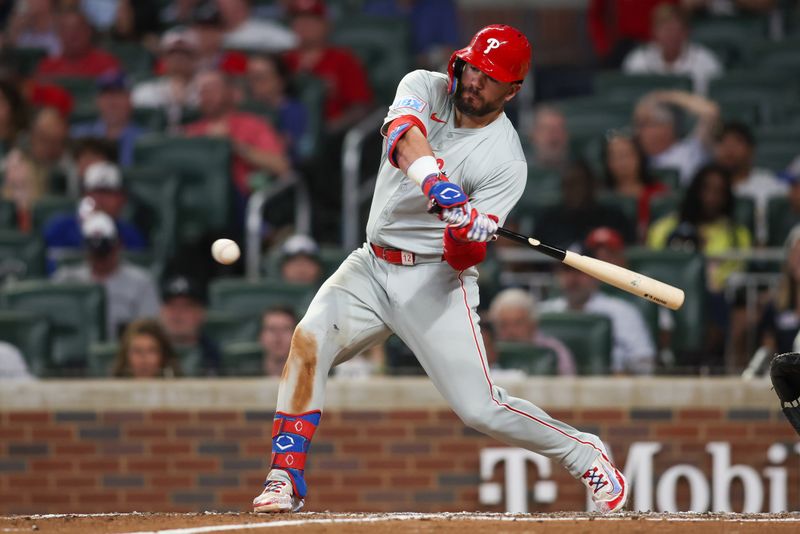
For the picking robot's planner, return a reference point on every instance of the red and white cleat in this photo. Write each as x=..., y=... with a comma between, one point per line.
x=609, y=488
x=277, y=497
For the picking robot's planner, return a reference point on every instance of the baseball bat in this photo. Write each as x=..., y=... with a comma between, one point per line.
x=625, y=279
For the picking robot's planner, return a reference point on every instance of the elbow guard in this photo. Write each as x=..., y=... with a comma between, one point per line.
x=397, y=129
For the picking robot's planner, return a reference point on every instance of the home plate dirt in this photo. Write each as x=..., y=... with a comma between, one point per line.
x=456, y=523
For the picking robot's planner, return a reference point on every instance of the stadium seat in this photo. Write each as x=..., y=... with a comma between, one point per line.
x=228, y=327
x=155, y=191
x=204, y=167
x=8, y=217
x=777, y=55
x=136, y=60
x=25, y=59
x=30, y=333
x=688, y=272
x=669, y=177
x=744, y=213
x=778, y=134
x=663, y=205
x=248, y=298
x=21, y=255
x=84, y=92
x=311, y=92
x=587, y=335
x=614, y=85
x=48, y=206
x=629, y=206
x=76, y=313
x=152, y=119
x=777, y=156
x=733, y=38
x=528, y=358
x=769, y=92
x=780, y=220
x=243, y=359
x=101, y=358
x=382, y=45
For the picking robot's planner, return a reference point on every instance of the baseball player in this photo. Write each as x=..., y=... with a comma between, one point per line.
x=449, y=148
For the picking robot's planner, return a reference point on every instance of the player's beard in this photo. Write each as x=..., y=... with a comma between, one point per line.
x=480, y=108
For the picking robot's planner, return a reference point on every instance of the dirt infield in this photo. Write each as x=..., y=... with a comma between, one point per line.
x=313, y=522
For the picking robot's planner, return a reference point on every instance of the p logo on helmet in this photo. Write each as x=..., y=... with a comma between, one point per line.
x=508, y=63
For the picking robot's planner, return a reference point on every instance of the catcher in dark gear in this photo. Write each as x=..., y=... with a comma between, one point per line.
x=785, y=374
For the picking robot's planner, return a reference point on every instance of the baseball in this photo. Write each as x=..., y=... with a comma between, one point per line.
x=225, y=251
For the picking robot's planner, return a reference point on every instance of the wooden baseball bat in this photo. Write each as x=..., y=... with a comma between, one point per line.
x=625, y=279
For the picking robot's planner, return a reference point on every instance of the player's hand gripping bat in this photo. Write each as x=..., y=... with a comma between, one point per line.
x=625, y=279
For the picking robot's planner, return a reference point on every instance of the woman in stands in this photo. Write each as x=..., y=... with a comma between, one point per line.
x=145, y=352
x=625, y=169
x=780, y=322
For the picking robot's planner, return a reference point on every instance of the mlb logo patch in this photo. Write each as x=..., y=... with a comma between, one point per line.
x=410, y=102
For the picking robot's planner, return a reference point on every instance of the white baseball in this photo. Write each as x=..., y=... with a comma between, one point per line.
x=225, y=251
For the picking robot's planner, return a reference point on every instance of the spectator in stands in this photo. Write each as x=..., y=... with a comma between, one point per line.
x=145, y=352
x=617, y=26
x=268, y=86
x=432, y=43
x=181, y=12
x=245, y=32
x=514, y=317
x=780, y=322
x=175, y=90
x=12, y=364
x=13, y=116
x=136, y=21
x=79, y=57
x=47, y=147
x=579, y=211
x=256, y=145
x=670, y=52
x=787, y=219
x=130, y=290
x=206, y=22
x=734, y=151
x=116, y=116
x=89, y=150
x=549, y=138
x=348, y=96
x=300, y=261
x=277, y=327
x=633, y=351
x=707, y=208
x=102, y=186
x=728, y=7
x=22, y=186
x=655, y=124
x=33, y=24
x=183, y=312
x=626, y=173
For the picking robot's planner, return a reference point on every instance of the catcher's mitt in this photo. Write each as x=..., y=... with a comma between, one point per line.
x=785, y=374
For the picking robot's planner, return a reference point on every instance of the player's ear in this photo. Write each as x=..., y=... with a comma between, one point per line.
x=513, y=90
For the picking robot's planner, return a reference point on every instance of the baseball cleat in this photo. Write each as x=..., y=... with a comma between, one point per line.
x=277, y=497
x=609, y=488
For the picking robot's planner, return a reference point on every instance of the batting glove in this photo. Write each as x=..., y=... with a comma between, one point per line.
x=443, y=194
x=480, y=227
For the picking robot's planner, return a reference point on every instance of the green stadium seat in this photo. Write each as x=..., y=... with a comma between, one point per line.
x=382, y=45
x=777, y=55
x=663, y=205
x=780, y=220
x=528, y=358
x=21, y=255
x=152, y=119
x=669, y=177
x=8, y=215
x=744, y=213
x=778, y=134
x=49, y=206
x=136, y=59
x=243, y=359
x=25, y=60
x=588, y=336
x=629, y=206
x=156, y=192
x=311, y=92
x=101, y=358
x=84, y=93
x=76, y=313
x=688, y=272
x=229, y=327
x=332, y=258
x=732, y=37
x=614, y=85
x=250, y=298
x=204, y=167
x=777, y=156
x=30, y=333
x=769, y=92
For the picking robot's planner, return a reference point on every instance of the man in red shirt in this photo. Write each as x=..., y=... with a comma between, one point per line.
x=348, y=92
x=79, y=57
x=256, y=145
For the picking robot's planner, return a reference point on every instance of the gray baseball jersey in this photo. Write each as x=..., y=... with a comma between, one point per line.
x=487, y=163
x=430, y=306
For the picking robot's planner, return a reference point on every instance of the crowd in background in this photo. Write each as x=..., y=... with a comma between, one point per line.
x=236, y=69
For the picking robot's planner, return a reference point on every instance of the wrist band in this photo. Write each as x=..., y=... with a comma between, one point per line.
x=422, y=168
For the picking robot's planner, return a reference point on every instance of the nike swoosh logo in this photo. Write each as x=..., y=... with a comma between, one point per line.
x=614, y=482
x=437, y=119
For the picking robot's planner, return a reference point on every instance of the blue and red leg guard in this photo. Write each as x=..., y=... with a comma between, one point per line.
x=291, y=436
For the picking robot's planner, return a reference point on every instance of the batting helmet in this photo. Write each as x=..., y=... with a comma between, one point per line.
x=499, y=51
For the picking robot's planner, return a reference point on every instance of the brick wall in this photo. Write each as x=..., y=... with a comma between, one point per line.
x=404, y=459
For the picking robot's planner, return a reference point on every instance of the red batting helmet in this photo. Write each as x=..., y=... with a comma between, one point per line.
x=499, y=51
